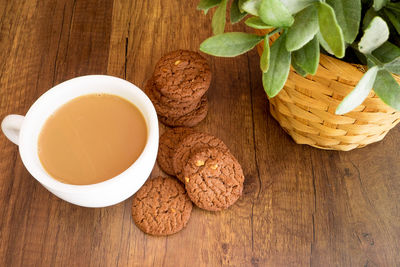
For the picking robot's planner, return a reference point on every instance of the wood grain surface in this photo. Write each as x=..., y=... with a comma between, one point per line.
x=301, y=206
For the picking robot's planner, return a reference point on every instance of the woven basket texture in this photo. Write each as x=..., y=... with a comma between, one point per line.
x=305, y=108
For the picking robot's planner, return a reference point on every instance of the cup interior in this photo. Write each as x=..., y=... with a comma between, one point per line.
x=50, y=101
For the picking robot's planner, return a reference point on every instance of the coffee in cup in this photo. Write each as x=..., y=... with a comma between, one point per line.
x=92, y=138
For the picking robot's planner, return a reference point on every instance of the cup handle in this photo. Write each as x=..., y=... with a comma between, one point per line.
x=11, y=125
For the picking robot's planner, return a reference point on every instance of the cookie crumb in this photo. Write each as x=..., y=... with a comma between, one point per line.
x=200, y=163
x=214, y=167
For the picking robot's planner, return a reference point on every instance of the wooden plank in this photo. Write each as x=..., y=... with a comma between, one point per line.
x=285, y=203
x=44, y=43
x=357, y=213
x=26, y=61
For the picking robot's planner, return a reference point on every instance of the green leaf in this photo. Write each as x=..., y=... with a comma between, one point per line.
x=278, y=72
x=393, y=66
x=359, y=93
x=388, y=89
x=304, y=28
x=274, y=13
x=219, y=18
x=374, y=36
x=295, y=6
x=257, y=23
x=324, y=44
x=298, y=69
x=386, y=52
x=230, y=44
x=389, y=54
x=251, y=6
x=393, y=19
x=236, y=14
x=378, y=4
x=307, y=58
x=330, y=30
x=264, y=59
x=205, y=5
x=369, y=15
x=348, y=15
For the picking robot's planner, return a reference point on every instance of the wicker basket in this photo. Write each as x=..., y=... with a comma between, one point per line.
x=305, y=108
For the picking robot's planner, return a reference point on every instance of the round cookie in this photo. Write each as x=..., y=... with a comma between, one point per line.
x=190, y=119
x=161, y=206
x=213, y=179
x=182, y=75
x=191, y=143
x=169, y=140
x=163, y=100
x=164, y=110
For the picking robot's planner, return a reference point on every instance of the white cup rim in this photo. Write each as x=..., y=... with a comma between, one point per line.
x=51, y=183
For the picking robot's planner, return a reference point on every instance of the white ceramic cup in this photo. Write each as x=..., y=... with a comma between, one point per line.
x=24, y=131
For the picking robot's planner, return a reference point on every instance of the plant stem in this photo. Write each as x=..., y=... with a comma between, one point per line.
x=375, y=60
x=369, y=56
x=274, y=31
x=393, y=6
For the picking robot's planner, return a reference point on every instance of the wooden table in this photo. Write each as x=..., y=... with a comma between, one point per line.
x=301, y=206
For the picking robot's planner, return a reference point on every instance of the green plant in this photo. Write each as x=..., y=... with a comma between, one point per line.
x=368, y=29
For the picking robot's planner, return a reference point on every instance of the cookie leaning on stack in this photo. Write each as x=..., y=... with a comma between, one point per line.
x=212, y=176
x=167, y=145
x=213, y=179
x=178, y=86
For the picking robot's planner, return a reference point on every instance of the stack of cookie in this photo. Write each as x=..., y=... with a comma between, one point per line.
x=203, y=164
x=212, y=176
x=178, y=86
